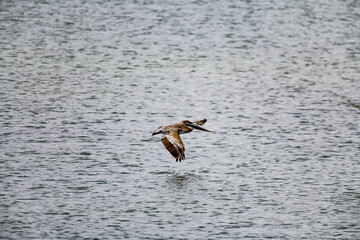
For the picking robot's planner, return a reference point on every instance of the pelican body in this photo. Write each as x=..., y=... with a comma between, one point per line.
x=171, y=136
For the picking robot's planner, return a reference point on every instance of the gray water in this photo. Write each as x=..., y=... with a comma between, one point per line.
x=84, y=84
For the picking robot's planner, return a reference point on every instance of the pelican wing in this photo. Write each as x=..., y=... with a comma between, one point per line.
x=174, y=145
x=201, y=122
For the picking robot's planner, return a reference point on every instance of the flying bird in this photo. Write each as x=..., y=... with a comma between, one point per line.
x=171, y=136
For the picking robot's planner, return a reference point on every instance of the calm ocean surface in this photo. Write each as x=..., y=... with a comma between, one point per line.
x=84, y=83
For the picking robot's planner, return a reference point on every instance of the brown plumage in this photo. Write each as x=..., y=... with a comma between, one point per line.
x=171, y=136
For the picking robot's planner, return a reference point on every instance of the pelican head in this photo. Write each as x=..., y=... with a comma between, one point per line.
x=192, y=125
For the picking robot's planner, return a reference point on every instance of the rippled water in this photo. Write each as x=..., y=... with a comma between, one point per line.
x=84, y=84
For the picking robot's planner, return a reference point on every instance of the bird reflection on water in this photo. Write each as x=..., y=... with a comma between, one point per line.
x=180, y=180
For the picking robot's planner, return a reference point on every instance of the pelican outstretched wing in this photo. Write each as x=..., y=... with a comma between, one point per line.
x=201, y=122
x=174, y=145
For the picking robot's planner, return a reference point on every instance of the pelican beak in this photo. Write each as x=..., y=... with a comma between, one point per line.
x=198, y=127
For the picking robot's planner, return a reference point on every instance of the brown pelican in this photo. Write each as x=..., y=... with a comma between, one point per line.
x=171, y=136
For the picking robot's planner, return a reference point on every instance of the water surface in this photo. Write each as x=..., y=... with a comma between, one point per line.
x=84, y=83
